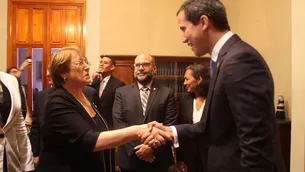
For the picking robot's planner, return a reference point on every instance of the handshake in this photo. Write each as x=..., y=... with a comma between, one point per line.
x=152, y=135
x=156, y=135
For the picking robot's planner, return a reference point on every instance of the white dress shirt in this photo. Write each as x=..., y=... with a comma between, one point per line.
x=103, y=84
x=214, y=57
x=197, y=114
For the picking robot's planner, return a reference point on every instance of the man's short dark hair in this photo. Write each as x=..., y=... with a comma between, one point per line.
x=112, y=60
x=213, y=9
x=11, y=68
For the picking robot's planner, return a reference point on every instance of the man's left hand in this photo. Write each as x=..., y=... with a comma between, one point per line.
x=145, y=153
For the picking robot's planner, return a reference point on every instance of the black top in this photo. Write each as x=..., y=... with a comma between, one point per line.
x=37, y=120
x=38, y=116
x=100, y=126
x=69, y=136
x=5, y=107
x=23, y=98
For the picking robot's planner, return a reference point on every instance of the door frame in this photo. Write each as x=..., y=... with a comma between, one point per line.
x=11, y=41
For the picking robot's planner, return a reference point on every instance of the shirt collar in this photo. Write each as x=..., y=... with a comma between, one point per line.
x=147, y=86
x=106, y=79
x=220, y=44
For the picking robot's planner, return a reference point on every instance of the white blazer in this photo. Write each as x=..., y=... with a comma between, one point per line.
x=15, y=141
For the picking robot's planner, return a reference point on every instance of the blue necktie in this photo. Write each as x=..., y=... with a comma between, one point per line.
x=212, y=67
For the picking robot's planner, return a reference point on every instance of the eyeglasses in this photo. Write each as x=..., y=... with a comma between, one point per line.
x=81, y=63
x=144, y=65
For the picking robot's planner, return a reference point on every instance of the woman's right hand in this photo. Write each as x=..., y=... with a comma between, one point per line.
x=143, y=129
x=36, y=159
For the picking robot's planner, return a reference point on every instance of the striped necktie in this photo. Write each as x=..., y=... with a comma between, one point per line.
x=144, y=92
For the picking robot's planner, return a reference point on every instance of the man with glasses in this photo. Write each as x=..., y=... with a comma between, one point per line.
x=141, y=102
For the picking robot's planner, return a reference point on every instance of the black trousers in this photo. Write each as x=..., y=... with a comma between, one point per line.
x=4, y=161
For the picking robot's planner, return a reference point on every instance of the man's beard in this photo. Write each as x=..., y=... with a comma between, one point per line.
x=145, y=80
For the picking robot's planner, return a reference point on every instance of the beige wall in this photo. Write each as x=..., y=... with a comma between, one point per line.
x=3, y=34
x=137, y=26
x=266, y=25
x=298, y=85
x=93, y=33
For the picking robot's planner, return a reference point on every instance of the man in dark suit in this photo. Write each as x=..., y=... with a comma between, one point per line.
x=106, y=84
x=38, y=116
x=139, y=103
x=239, y=120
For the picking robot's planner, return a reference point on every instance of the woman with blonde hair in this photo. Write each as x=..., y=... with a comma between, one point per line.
x=75, y=134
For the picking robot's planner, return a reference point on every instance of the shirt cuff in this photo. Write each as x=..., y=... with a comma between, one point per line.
x=175, y=134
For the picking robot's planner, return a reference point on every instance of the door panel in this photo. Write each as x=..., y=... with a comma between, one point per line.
x=22, y=25
x=53, y=50
x=38, y=24
x=37, y=60
x=72, y=26
x=22, y=53
x=57, y=22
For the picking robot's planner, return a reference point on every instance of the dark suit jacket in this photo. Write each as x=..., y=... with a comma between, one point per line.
x=38, y=116
x=106, y=100
x=23, y=98
x=69, y=136
x=127, y=111
x=190, y=153
x=239, y=124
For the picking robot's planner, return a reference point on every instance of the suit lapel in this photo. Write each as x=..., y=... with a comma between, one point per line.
x=189, y=105
x=96, y=83
x=221, y=55
x=153, y=92
x=136, y=93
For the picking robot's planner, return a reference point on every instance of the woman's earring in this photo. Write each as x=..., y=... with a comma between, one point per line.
x=65, y=79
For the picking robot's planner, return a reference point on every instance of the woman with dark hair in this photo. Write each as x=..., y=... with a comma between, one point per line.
x=196, y=81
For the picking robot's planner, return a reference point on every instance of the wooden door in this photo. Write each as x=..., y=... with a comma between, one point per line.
x=38, y=29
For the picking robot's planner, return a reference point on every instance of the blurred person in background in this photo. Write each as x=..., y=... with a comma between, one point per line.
x=17, y=73
x=15, y=147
